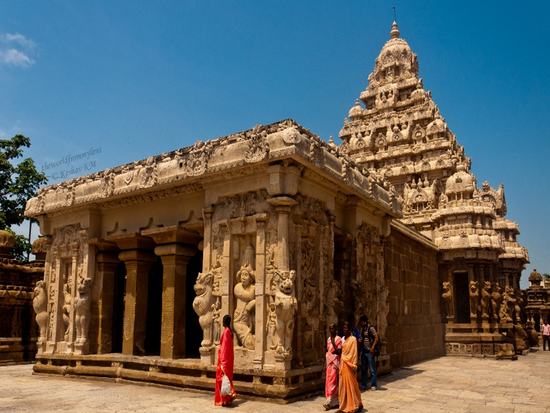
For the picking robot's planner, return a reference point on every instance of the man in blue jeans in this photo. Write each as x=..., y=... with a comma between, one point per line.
x=369, y=338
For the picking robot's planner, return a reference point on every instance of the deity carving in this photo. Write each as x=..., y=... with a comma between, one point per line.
x=243, y=319
x=496, y=301
x=202, y=304
x=272, y=337
x=258, y=147
x=285, y=307
x=474, y=298
x=67, y=306
x=335, y=306
x=485, y=299
x=40, y=305
x=216, y=321
x=448, y=299
x=82, y=305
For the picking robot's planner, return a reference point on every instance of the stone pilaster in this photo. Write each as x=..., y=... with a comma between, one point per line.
x=105, y=278
x=138, y=262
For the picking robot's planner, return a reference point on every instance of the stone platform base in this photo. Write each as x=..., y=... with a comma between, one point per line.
x=257, y=384
x=13, y=351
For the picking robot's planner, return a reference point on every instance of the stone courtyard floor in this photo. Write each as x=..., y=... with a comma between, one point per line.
x=446, y=384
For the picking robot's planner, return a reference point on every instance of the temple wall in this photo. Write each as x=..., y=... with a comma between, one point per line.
x=415, y=329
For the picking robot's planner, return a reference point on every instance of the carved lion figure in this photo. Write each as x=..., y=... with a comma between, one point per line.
x=496, y=300
x=474, y=298
x=448, y=298
x=82, y=305
x=202, y=304
x=485, y=299
x=40, y=305
x=285, y=308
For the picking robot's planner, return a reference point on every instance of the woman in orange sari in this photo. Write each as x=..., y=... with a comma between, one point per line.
x=349, y=394
x=225, y=364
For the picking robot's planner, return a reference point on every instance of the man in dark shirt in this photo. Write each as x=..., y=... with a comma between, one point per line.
x=369, y=338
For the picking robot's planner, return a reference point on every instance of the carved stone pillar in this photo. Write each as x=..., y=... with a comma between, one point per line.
x=105, y=280
x=175, y=258
x=260, y=327
x=282, y=206
x=207, y=249
x=138, y=263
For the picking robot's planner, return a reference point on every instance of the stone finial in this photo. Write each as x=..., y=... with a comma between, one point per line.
x=7, y=244
x=39, y=247
x=394, y=34
x=535, y=278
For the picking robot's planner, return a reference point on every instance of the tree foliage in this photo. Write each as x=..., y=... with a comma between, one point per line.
x=18, y=183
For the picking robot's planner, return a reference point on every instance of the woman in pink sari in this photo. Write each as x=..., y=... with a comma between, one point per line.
x=334, y=349
x=225, y=364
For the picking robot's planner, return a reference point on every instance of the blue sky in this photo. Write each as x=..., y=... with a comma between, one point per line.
x=131, y=79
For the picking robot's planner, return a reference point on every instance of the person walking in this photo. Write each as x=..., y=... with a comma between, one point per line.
x=349, y=395
x=334, y=350
x=369, y=338
x=225, y=364
x=545, y=335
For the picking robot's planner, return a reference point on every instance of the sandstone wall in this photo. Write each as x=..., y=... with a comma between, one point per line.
x=415, y=324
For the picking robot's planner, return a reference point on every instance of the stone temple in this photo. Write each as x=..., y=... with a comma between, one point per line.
x=287, y=234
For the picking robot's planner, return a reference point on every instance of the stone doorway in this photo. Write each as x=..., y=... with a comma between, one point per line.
x=154, y=310
x=193, y=331
x=462, y=297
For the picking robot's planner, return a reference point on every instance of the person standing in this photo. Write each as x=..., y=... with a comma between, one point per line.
x=225, y=364
x=369, y=338
x=545, y=335
x=334, y=349
x=349, y=394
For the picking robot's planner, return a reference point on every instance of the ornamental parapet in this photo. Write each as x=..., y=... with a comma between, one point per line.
x=205, y=160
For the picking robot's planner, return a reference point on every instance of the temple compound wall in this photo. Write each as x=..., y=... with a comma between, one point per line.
x=415, y=329
x=21, y=298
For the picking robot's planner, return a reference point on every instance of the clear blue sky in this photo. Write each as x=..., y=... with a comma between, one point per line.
x=136, y=78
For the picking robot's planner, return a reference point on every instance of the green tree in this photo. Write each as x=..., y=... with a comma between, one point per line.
x=18, y=183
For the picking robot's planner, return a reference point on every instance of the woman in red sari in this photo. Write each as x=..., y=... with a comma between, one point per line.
x=225, y=364
x=349, y=394
x=334, y=349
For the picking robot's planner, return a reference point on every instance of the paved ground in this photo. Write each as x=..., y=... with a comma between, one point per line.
x=447, y=384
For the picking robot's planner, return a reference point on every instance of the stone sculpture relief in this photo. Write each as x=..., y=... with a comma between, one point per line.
x=448, y=299
x=243, y=318
x=67, y=306
x=485, y=299
x=202, y=304
x=82, y=305
x=40, y=305
x=285, y=307
x=496, y=301
x=474, y=298
x=335, y=306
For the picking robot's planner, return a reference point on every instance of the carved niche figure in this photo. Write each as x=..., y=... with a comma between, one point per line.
x=474, y=298
x=335, y=306
x=496, y=301
x=243, y=318
x=202, y=304
x=518, y=313
x=216, y=326
x=507, y=306
x=485, y=299
x=67, y=306
x=82, y=305
x=40, y=305
x=272, y=338
x=448, y=299
x=285, y=307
